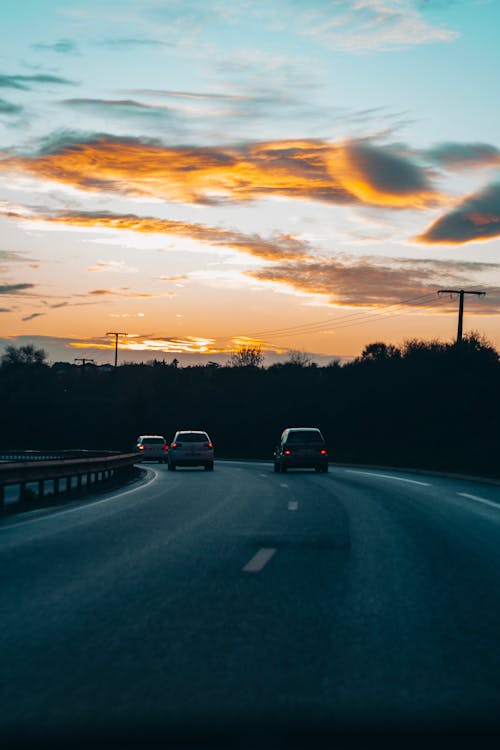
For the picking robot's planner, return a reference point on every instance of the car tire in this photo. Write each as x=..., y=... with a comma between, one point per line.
x=276, y=468
x=209, y=466
x=171, y=467
x=325, y=469
x=318, y=469
x=282, y=468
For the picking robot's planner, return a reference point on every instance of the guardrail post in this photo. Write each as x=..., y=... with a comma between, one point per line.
x=56, y=486
x=40, y=489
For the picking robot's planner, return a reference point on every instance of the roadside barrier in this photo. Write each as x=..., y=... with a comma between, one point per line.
x=61, y=475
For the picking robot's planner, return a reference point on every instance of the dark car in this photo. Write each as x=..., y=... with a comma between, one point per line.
x=301, y=448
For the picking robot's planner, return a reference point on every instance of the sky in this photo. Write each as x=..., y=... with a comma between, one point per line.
x=201, y=175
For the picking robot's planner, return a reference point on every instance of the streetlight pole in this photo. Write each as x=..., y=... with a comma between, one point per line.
x=116, y=334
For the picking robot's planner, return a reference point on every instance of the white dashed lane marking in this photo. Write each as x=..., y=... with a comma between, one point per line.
x=259, y=560
x=284, y=485
x=293, y=505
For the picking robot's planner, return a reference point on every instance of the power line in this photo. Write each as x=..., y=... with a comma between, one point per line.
x=348, y=319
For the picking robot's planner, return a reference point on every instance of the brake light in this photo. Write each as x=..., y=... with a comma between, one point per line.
x=323, y=451
x=287, y=452
x=174, y=445
x=165, y=447
x=141, y=447
x=208, y=445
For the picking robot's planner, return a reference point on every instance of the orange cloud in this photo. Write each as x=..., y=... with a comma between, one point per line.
x=474, y=219
x=281, y=246
x=174, y=344
x=340, y=173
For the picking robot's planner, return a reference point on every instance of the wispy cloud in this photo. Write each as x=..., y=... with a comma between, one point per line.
x=341, y=173
x=119, y=43
x=279, y=246
x=475, y=218
x=9, y=289
x=118, y=266
x=118, y=107
x=32, y=316
x=459, y=156
x=25, y=83
x=372, y=282
x=62, y=47
x=8, y=108
x=125, y=292
x=368, y=25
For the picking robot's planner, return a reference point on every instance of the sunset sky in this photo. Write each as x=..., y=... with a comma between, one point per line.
x=202, y=174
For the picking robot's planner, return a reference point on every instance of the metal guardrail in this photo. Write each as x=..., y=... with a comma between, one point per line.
x=52, y=455
x=85, y=471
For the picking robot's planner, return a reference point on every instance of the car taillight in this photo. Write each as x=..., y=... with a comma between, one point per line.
x=208, y=445
x=323, y=451
x=287, y=452
x=165, y=447
x=141, y=447
x=174, y=445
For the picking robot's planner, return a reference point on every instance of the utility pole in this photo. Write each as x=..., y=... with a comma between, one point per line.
x=461, y=293
x=84, y=361
x=116, y=334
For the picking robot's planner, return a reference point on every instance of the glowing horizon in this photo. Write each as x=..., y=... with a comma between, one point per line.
x=269, y=187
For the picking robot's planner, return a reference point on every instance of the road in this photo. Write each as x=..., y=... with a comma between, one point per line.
x=357, y=598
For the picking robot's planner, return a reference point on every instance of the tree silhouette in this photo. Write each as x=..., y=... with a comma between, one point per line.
x=247, y=356
x=24, y=356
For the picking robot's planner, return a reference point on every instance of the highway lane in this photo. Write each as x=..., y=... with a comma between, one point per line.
x=198, y=597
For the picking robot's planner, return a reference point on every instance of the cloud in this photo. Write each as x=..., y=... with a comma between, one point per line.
x=370, y=282
x=23, y=83
x=15, y=288
x=459, y=156
x=62, y=46
x=277, y=247
x=131, y=42
x=112, y=265
x=121, y=293
x=32, y=316
x=368, y=25
x=118, y=106
x=8, y=108
x=337, y=173
x=475, y=218
x=5, y=310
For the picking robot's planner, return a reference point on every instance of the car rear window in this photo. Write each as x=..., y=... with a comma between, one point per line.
x=192, y=437
x=305, y=436
x=153, y=441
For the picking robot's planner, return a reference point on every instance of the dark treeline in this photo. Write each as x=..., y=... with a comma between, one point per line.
x=427, y=404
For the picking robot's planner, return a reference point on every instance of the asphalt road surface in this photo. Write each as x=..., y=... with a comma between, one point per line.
x=357, y=598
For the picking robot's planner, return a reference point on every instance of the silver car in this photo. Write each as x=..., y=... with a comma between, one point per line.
x=152, y=448
x=191, y=448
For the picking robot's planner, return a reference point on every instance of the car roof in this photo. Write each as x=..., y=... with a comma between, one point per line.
x=193, y=432
x=149, y=436
x=302, y=429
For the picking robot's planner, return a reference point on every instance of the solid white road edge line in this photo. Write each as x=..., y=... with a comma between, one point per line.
x=479, y=500
x=388, y=476
x=284, y=485
x=259, y=560
x=79, y=508
x=293, y=505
